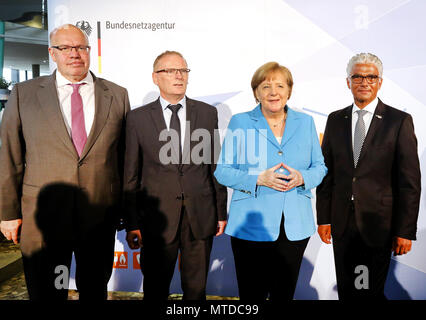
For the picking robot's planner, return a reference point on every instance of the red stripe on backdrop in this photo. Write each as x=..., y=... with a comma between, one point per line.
x=99, y=47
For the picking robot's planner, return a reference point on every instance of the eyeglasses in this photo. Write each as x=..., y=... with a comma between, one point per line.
x=172, y=71
x=371, y=78
x=68, y=49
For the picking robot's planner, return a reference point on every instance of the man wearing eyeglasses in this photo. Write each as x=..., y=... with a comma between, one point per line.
x=368, y=203
x=173, y=202
x=61, y=165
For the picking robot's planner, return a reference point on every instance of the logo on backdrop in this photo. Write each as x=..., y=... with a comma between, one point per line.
x=120, y=260
x=85, y=26
x=136, y=260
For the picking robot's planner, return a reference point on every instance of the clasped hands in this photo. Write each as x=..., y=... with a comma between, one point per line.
x=279, y=181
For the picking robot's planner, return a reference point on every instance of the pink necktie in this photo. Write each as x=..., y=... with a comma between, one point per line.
x=78, y=127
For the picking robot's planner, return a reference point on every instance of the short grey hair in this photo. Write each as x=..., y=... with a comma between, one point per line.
x=64, y=27
x=361, y=58
x=167, y=53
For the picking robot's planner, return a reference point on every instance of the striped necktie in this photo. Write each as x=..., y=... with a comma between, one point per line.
x=359, y=135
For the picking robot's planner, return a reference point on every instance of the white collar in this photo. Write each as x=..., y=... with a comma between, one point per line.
x=62, y=81
x=164, y=103
x=371, y=107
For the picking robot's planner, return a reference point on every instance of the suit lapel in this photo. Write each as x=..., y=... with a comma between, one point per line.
x=291, y=125
x=157, y=117
x=191, y=116
x=103, y=100
x=375, y=126
x=49, y=102
x=262, y=126
x=347, y=133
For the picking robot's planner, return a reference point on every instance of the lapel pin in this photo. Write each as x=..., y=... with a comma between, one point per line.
x=378, y=116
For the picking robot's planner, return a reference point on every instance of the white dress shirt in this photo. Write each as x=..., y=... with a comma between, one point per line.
x=87, y=93
x=370, y=108
x=181, y=114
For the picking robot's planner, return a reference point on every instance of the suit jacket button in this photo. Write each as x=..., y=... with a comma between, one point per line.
x=353, y=179
x=280, y=153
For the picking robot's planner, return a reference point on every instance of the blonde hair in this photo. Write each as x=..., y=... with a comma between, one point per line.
x=265, y=70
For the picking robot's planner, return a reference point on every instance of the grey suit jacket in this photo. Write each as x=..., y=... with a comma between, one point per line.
x=40, y=169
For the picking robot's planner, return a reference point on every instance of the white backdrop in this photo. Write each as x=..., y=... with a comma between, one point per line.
x=224, y=42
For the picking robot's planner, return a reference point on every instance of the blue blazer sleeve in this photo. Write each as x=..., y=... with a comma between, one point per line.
x=317, y=170
x=229, y=171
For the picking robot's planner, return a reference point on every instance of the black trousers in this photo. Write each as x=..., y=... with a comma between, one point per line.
x=268, y=268
x=361, y=270
x=46, y=270
x=158, y=262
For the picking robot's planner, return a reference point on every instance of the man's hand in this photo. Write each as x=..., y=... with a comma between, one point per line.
x=10, y=229
x=134, y=239
x=324, y=232
x=220, y=227
x=401, y=246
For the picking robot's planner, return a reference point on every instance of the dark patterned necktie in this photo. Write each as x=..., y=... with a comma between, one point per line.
x=359, y=135
x=175, y=125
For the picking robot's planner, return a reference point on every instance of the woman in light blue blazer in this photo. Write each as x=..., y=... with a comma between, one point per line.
x=271, y=158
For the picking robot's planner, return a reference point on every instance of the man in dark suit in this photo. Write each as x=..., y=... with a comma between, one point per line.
x=369, y=200
x=173, y=201
x=61, y=165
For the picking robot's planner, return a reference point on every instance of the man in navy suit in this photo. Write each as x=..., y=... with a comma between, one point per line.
x=369, y=200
